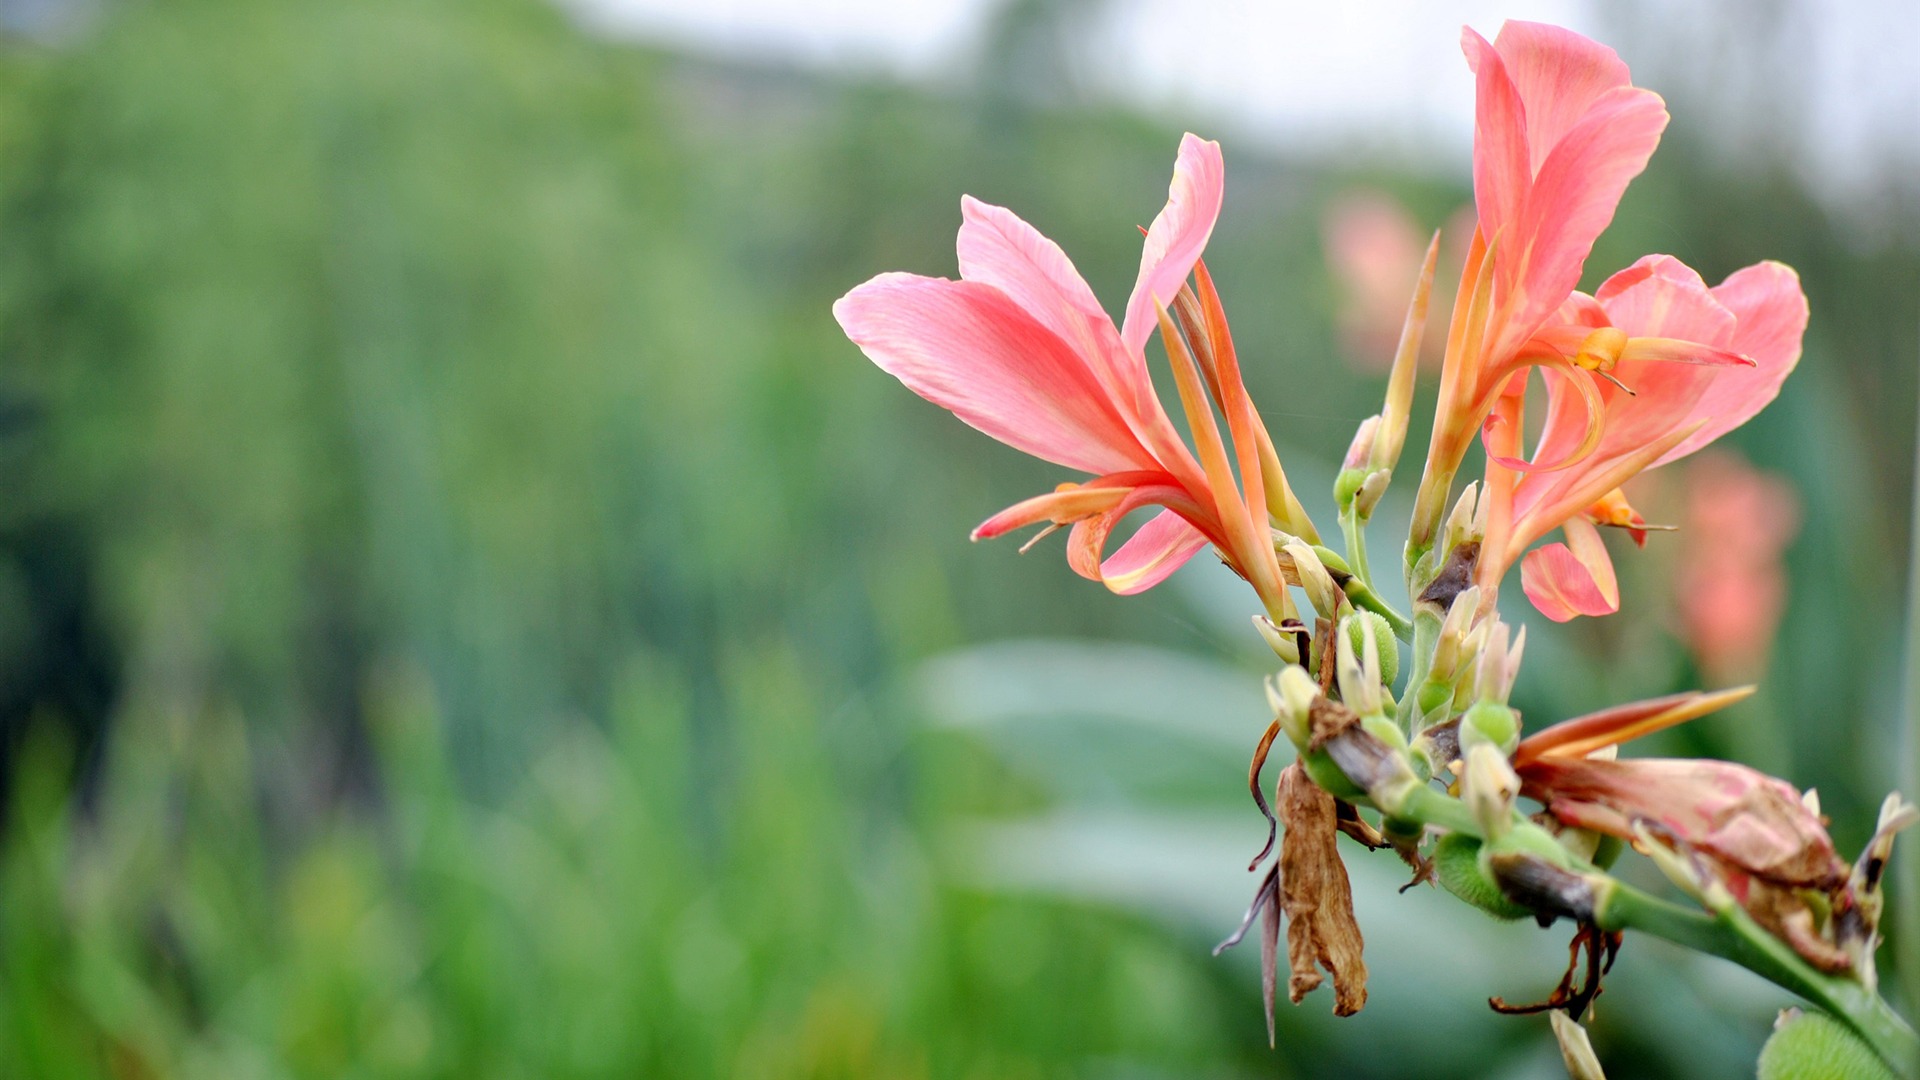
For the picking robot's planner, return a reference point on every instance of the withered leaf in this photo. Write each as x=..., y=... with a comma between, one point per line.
x=1317, y=895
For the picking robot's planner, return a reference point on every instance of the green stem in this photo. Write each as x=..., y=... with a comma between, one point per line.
x=1426, y=634
x=1355, y=530
x=1731, y=934
x=1361, y=593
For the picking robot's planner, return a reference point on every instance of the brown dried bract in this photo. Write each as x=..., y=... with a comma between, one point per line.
x=1317, y=896
x=1326, y=719
x=1453, y=578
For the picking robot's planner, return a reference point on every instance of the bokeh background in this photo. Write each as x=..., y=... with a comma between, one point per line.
x=465, y=611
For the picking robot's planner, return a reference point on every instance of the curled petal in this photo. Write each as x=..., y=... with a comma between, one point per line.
x=1066, y=504
x=1567, y=385
x=1575, y=578
x=1176, y=238
x=1150, y=555
x=1159, y=554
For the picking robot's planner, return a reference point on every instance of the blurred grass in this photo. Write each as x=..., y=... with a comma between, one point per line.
x=465, y=610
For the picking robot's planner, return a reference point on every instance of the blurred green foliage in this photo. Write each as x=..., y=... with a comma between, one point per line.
x=459, y=592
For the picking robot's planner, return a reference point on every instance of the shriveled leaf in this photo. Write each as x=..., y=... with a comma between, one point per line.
x=1317, y=896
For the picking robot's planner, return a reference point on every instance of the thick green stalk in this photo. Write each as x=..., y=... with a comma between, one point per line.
x=1730, y=933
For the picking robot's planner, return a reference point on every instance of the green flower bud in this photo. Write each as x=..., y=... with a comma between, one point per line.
x=1493, y=723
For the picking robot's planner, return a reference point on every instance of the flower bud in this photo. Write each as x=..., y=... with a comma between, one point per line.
x=1292, y=695
x=1468, y=522
x=1370, y=492
x=1575, y=1051
x=1284, y=644
x=1360, y=451
x=1321, y=590
x=1450, y=648
x=1492, y=724
x=1488, y=787
x=1357, y=666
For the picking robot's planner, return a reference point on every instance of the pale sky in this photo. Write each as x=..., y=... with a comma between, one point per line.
x=1834, y=79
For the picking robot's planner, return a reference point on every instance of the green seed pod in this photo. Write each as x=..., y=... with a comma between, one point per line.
x=1456, y=863
x=1383, y=640
x=1815, y=1046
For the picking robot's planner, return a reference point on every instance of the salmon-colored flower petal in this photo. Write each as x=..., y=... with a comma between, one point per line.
x=1660, y=296
x=1571, y=579
x=969, y=348
x=997, y=248
x=1176, y=238
x=1771, y=318
x=1067, y=503
x=1559, y=132
x=1559, y=74
x=1572, y=201
x=1161, y=546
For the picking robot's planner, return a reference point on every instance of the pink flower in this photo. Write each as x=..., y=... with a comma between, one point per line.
x=1020, y=349
x=1652, y=413
x=1559, y=131
x=1651, y=367
x=1373, y=247
x=1733, y=584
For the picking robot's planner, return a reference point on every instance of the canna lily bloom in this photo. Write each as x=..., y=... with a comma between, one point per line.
x=1559, y=131
x=1020, y=349
x=1653, y=412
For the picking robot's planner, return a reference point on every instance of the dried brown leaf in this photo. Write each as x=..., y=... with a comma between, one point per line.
x=1317, y=896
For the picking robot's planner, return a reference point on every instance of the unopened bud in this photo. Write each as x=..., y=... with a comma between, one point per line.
x=1488, y=786
x=1465, y=523
x=1321, y=591
x=1575, y=1051
x=1285, y=645
x=1498, y=663
x=1371, y=491
x=1360, y=451
x=1490, y=724
x=1449, y=650
x=1292, y=695
x=1358, y=667
x=1354, y=468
